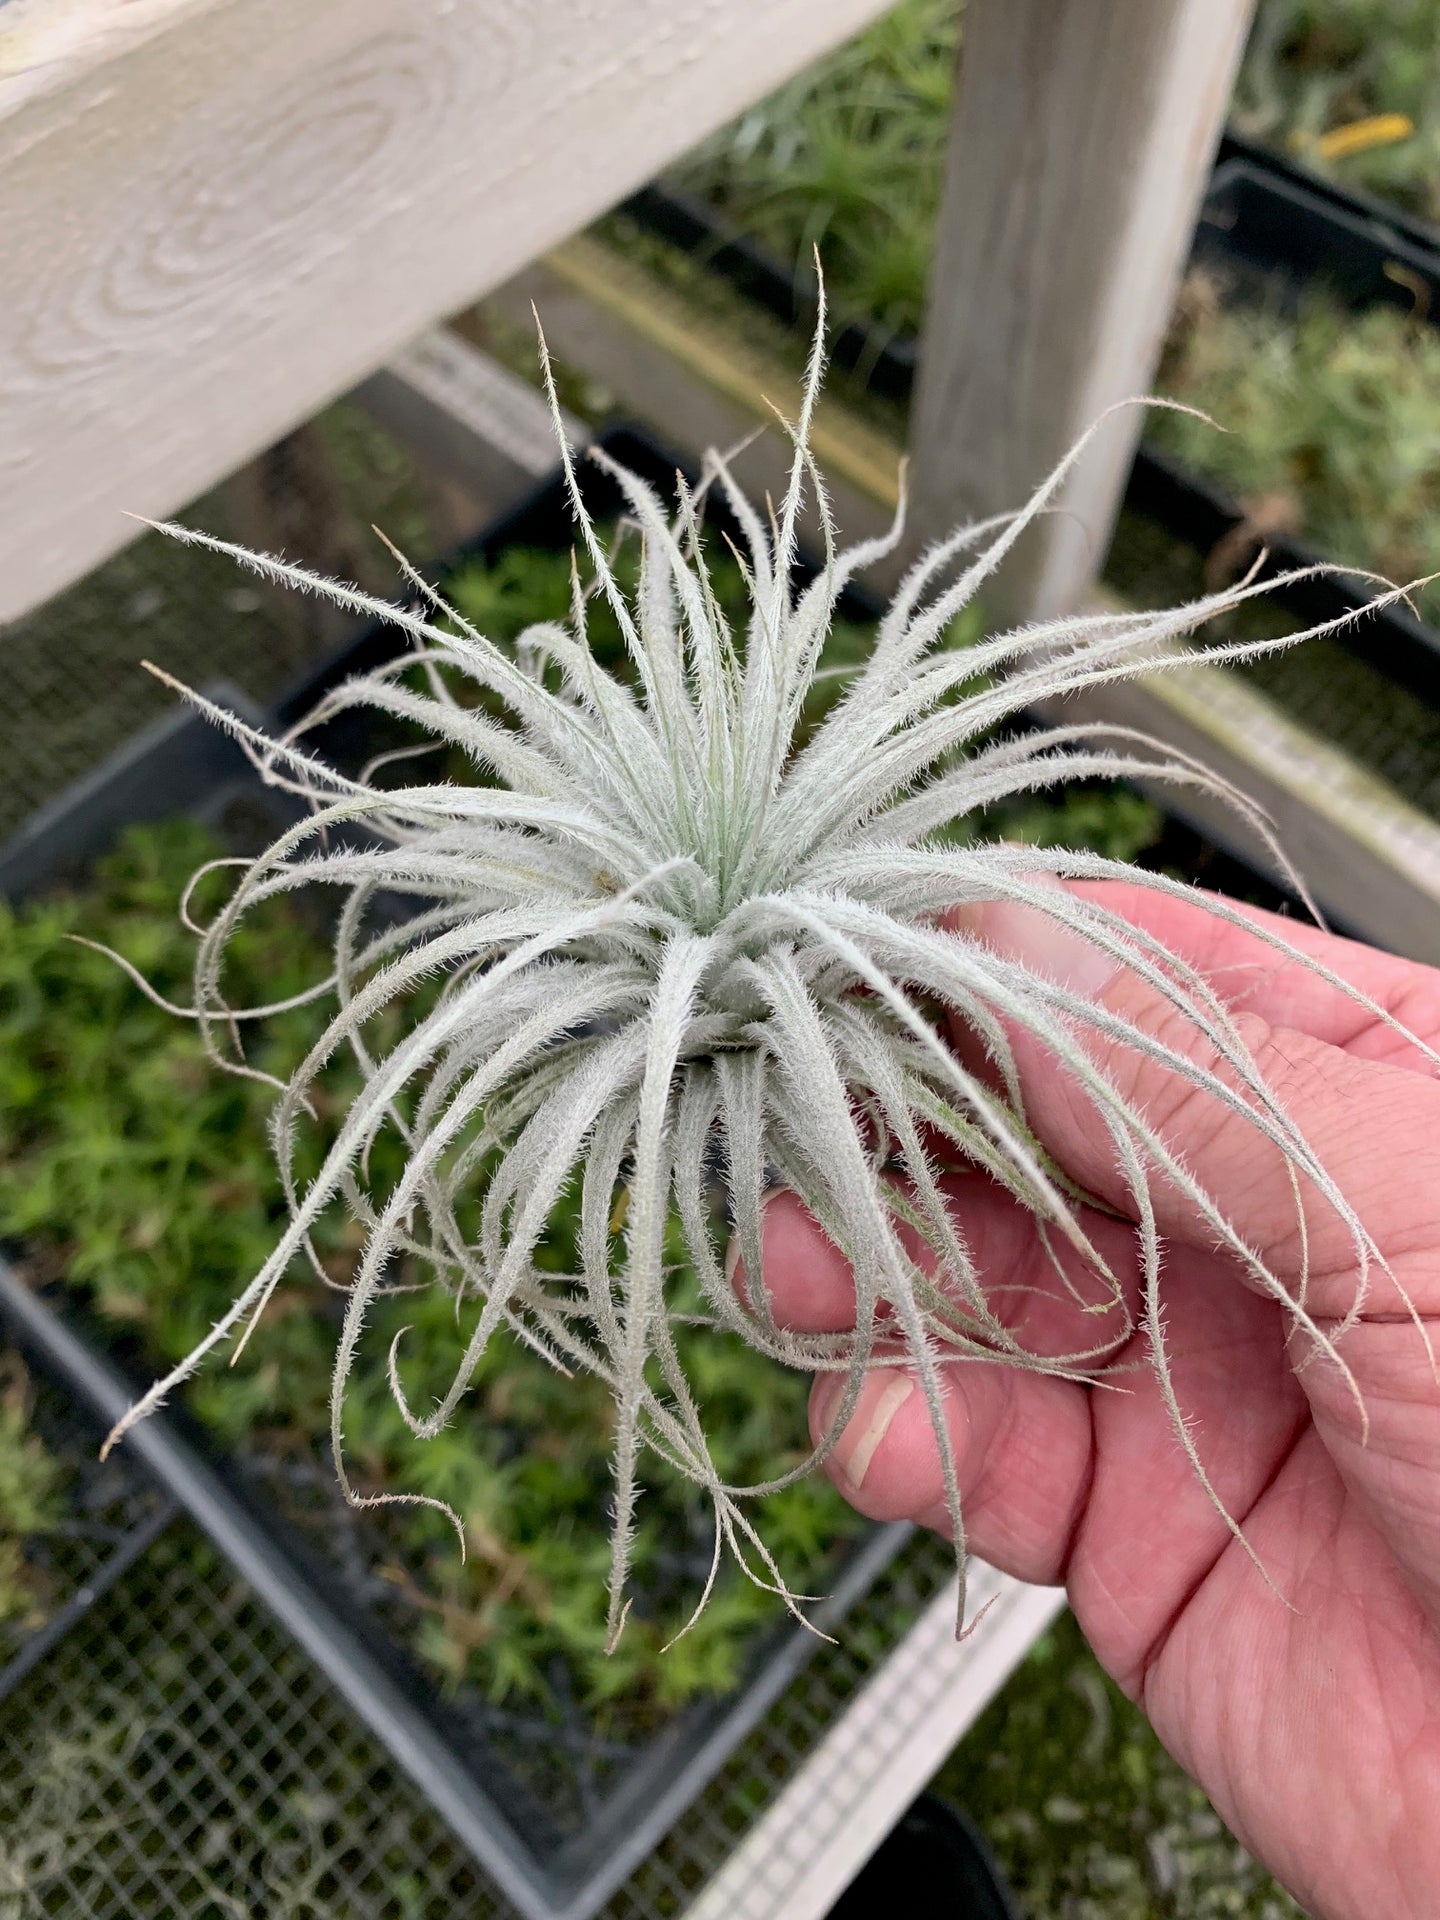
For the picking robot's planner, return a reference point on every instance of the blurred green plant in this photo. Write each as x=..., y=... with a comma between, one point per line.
x=31, y=1503
x=1336, y=82
x=1332, y=424
x=71, y=1804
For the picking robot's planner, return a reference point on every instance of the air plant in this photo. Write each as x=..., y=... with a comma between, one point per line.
x=670, y=936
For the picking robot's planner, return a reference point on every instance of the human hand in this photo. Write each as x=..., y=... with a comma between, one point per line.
x=1310, y=1713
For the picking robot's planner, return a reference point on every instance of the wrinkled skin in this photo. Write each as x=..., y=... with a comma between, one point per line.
x=1308, y=1709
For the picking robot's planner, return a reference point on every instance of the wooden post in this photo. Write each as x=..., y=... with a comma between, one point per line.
x=1083, y=134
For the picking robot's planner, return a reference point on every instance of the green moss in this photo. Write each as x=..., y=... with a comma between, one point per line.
x=1332, y=424
x=1088, y=1815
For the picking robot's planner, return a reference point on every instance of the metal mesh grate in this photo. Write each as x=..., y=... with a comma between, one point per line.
x=75, y=689
x=701, y=1842
x=111, y=1514
x=1322, y=686
x=558, y=1766
x=180, y=1757
x=173, y=1752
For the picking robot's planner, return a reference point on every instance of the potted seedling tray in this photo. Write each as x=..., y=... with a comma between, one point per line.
x=555, y=1803
x=1260, y=215
x=506, y=1783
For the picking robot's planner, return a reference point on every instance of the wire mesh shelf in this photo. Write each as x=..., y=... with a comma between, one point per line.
x=178, y=1753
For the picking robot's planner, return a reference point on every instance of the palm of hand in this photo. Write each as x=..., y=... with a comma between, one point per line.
x=1309, y=1707
x=1305, y=1711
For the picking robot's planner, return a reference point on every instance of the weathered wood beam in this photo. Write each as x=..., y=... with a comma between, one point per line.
x=216, y=215
x=1083, y=132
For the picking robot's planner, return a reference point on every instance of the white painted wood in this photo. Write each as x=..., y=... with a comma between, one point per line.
x=467, y=417
x=215, y=215
x=1082, y=136
x=870, y=1764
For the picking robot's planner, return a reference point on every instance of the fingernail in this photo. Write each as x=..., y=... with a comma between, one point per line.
x=881, y=1398
x=732, y=1258
x=1039, y=942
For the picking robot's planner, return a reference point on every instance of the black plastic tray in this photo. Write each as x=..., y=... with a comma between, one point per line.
x=184, y=764
x=1263, y=209
x=1260, y=212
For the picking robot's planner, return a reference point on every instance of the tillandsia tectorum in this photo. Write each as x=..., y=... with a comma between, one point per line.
x=670, y=931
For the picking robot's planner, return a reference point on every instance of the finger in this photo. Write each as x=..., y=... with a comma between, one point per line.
x=1390, y=1456
x=1047, y=1298
x=1373, y=1126
x=1252, y=974
x=1022, y=1445
x=808, y=1280
x=1061, y=1482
